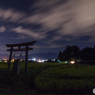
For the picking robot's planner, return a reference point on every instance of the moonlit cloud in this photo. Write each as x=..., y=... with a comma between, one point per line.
x=10, y=15
x=28, y=32
x=2, y=29
x=54, y=23
x=71, y=17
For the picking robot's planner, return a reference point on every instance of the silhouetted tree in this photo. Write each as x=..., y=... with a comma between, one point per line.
x=74, y=53
x=88, y=54
x=60, y=56
x=67, y=53
x=70, y=53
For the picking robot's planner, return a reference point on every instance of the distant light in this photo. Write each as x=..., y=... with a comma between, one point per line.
x=5, y=61
x=53, y=59
x=72, y=62
x=34, y=59
x=66, y=61
x=12, y=60
x=58, y=61
x=39, y=61
x=43, y=61
x=94, y=91
x=21, y=60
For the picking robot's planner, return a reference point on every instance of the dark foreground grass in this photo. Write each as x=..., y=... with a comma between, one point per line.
x=48, y=79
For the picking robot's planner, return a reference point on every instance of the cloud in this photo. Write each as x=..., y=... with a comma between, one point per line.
x=71, y=17
x=2, y=29
x=10, y=15
x=29, y=32
x=48, y=46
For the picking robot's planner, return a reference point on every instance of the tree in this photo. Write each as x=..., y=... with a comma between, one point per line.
x=75, y=54
x=67, y=53
x=70, y=53
x=88, y=54
x=60, y=56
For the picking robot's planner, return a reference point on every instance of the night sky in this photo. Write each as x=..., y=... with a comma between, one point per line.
x=53, y=23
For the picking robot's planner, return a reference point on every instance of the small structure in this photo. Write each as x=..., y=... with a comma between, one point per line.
x=16, y=66
x=27, y=44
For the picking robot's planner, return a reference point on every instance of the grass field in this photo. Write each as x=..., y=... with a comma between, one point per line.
x=48, y=79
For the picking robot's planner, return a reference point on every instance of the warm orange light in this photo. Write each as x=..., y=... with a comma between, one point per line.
x=72, y=62
x=21, y=60
x=12, y=60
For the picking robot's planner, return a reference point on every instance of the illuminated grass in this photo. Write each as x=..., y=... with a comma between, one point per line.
x=48, y=78
x=67, y=79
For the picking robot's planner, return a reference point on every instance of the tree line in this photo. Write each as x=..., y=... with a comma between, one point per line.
x=76, y=54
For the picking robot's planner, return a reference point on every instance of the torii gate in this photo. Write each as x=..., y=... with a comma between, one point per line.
x=20, y=49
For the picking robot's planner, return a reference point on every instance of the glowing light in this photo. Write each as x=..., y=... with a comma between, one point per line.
x=58, y=61
x=72, y=62
x=94, y=91
x=12, y=60
x=43, y=61
x=34, y=59
x=5, y=61
x=20, y=59
x=39, y=61
x=66, y=61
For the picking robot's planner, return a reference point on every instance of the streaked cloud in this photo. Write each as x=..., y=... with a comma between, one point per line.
x=70, y=17
x=29, y=32
x=10, y=15
x=2, y=29
x=74, y=18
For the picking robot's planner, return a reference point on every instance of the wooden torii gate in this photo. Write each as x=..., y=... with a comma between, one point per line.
x=20, y=49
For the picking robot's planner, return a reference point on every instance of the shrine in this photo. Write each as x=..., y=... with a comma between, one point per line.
x=13, y=49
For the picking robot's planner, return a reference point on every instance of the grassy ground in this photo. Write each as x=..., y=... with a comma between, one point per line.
x=48, y=78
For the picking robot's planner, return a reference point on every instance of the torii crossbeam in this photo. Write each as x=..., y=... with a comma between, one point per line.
x=20, y=49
